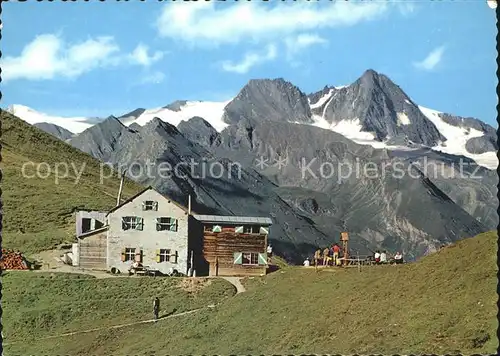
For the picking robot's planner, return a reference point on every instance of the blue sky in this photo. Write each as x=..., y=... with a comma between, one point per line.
x=97, y=59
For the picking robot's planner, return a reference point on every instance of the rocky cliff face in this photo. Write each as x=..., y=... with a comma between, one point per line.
x=265, y=99
x=54, y=130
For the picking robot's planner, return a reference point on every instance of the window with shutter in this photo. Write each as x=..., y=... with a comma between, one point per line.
x=251, y=229
x=128, y=254
x=262, y=258
x=250, y=258
x=132, y=223
x=164, y=255
x=166, y=224
x=149, y=205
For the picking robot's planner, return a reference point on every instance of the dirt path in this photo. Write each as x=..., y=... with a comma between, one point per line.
x=115, y=326
x=235, y=281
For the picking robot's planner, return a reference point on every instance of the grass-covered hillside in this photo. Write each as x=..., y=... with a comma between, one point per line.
x=446, y=303
x=38, y=213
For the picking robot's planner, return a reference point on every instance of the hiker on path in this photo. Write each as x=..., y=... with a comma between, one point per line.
x=156, y=308
x=377, y=257
x=306, y=262
x=398, y=258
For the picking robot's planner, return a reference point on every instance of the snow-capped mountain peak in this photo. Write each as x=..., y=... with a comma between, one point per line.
x=211, y=111
x=31, y=116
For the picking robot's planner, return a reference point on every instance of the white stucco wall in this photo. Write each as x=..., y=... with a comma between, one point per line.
x=149, y=240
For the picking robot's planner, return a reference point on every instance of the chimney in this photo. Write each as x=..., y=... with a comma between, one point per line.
x=119, y=197
x=189, y=204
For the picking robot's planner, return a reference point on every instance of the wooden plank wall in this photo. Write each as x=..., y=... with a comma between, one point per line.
x=93, y=251
x=220, y=247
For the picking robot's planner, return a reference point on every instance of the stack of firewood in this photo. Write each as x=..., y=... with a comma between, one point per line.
x=12, y=260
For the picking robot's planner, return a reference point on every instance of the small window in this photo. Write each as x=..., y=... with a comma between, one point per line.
x=208, y=228
x=250, y=258
x=132, y=223
x=251, y=229
x=166, y=224
x=129, y=254
x=150, y=205
x=86, y=224
x=164, y=255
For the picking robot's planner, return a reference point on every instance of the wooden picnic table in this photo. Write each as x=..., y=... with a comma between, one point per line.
x=144, y=270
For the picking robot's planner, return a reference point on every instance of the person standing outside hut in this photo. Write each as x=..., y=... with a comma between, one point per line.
x=269, y=253
x=336, y=252
x=317, y=257
x=326, y=256
x=156, y=308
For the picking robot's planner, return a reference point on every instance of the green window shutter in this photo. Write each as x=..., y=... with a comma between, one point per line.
x=139, y=223
x=124, y=224
x=123, y=255
x=237, y=258
x=238, y=229
x=155, y=206
x=143, y=205
x=173, y=224
x=264, y=230
x=217, y=228
x=158, y=226
x=262, y=258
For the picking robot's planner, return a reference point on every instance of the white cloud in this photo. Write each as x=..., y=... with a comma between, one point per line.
x=301, y=42
x=153, y=78
x=48, y=56
x=140, y=56
x=432, y=59
x=205, y=24
x=250, y=60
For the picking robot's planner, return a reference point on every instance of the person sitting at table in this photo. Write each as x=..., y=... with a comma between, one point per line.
x=398, y=258
x=383, y=257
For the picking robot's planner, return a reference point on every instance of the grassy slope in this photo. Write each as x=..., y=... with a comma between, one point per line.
x=443, y=304
x=43, y=304
x=40, y=207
